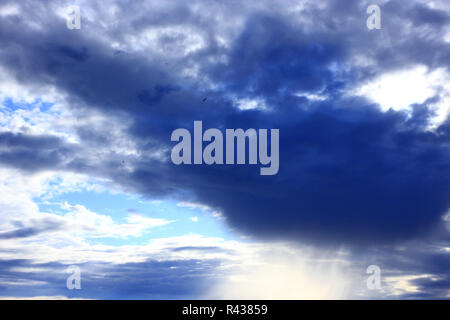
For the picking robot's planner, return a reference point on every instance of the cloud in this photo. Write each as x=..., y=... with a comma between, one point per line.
x=282, y=271
x=123, y=281
x=90, y=224
x=349, y=171
x=44, y=226
x=363, y=160
x=219, y=268
x=31, y=152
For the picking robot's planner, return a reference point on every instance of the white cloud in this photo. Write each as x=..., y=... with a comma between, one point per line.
x=21, y=282
x=312, y=96
x=9, y=9
x=249, y=104
x=398, y=90
x=202, y=207
x=86, y=223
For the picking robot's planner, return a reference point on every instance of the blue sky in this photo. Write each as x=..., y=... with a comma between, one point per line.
x=86, y=178
x=182, y=218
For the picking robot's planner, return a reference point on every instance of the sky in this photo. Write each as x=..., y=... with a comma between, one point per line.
x=86, y=177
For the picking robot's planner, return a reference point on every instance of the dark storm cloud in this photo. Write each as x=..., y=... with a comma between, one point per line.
x=295, y=63
x=349, y=173
x=32, y=152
